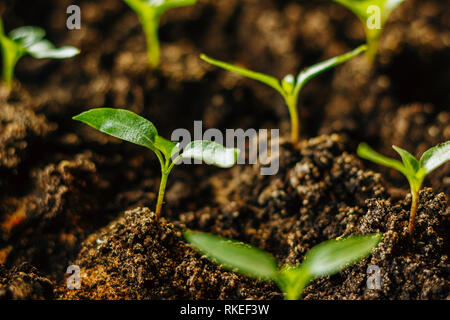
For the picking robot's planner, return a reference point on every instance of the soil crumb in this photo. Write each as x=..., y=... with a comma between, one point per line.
x=24, y=282
x=138, y=257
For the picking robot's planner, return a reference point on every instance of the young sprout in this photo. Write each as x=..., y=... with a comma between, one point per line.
x=149, y=13
x=128, y=126
x=27, y=40
x=414, y=170
x=373, y=14
x=289, y=87
x=325, y=259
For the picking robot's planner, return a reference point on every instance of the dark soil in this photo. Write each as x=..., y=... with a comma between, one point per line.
x=70, y=195
x=24, y=282
x=137, y=257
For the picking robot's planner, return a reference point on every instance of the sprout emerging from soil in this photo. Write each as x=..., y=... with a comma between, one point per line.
x=128, y=126
x=27, y=40
x=325, y=259
x=373, y=14
x=149, y=13
x=289, y=87
x=414, y=170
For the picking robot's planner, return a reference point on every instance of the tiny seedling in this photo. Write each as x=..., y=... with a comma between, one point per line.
x=27, y=40
x=128, y=126
x=149, y=13
x=325, y=259
x=289, y=87
x=414, y=170
x=373, y=14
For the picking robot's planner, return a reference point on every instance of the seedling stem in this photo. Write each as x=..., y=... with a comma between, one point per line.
x=128, y=126
x=290, y=86
x=162, y=188
x=414, y=205
x=325, y=259
x=414, y=170
x=149, y=13
x=291, y=102
x=373, y=14
x=153, y=47
x=27, y=40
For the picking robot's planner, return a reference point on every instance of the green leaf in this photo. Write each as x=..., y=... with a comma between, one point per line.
x=158, y=7
x=27, y=35
x=366, y=152
x=334, y=255
x=167, y=147
x=122, y=124
x=27, y=40
x=261, y=77
x=360, y=7
x=211, y=152
x=292, y=281
x=435, y=157
x=314, y=70
x=364, y=10
x=408, y=159
x=234, y=255
x=288, y=83
x=45, y=49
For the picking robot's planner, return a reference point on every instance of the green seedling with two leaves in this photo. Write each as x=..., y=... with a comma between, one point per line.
x=27, y=40
x=128, y=126
x=373, y=14
x=149, y=13
x=289, y=87
x=325, y=259
x=414, y=170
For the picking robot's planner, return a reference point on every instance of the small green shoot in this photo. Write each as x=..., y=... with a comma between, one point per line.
x=149, y=13
x=128, y=126
x=373, y=14
x=414, y=170
x=325, y=259
x=27, y=40
x=289, y=87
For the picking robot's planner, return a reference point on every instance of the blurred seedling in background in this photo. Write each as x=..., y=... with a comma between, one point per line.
x=27, y=40
x=414, y=170
x=149, y=13
x=325, y=259
x=289, y=87
x=128, y=126
x=373, y=14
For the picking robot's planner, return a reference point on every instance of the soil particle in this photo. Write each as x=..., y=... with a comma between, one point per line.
x=409, y=269
x=20, y=128
x=324, y=195
x=416, y=127
x=138, y=257
x=66, y=193
x=24, y=282
x=46, y=226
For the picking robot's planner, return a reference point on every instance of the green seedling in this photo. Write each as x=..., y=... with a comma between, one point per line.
x=27, y=40
x=414, y=170
x=325, y=259
x=128, y=126
x=373, y=14
x=149, y=13
x=289, y=87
